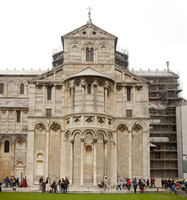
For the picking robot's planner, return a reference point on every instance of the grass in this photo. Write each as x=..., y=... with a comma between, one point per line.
x=46, y=196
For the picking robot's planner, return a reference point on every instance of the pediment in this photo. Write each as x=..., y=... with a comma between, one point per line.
x=122, y=75
x=55, y=74
x=89, y=30
x=89, y=72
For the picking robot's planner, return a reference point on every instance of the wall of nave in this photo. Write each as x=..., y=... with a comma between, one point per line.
x=13, y=154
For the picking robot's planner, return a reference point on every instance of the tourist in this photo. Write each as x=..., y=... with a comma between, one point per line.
x=0, y=186
x=147, y=183
x=129, y=184
x=66, y=185
x=118, y=184
x=54, y=187
x=106, y=183
x=62, y=185
x=135, y=185
x=6, y=181
x=43, y=185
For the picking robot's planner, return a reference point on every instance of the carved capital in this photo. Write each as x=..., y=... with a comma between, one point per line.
x=105, y=141
x=95, y=140
x=82, y=139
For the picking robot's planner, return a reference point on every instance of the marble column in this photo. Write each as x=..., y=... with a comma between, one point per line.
x=47, y=155
x=130, y=155
x=82, y=162
x=13, y=155
x=95, y=162
x=72, y=98
x=83, y=96
x=71, y=160
x=95, y=96
x=105, y=99
x=61, y=154
x=134, y=102
x=106, y=164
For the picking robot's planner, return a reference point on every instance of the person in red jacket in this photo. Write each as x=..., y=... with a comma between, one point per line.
x=129, y=184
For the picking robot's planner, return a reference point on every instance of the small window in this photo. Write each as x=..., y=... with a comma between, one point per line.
x=48, y=112
x=21, y=88
x=94, y=33
x=89, y=88
x=84, y=32
x=49, y=92
x=89, y=54
x=128, y=113
x=6, y=146
x=18, y=112
x=1, y=88
x=128, y=94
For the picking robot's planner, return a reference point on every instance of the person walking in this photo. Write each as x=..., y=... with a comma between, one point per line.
x=118, y=184
x=135, y=185
x=106, y=183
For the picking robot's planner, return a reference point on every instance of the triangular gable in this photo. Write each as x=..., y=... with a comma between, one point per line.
x=122, y=75
x=54, y=74
x=89, y=72
x=88, y=30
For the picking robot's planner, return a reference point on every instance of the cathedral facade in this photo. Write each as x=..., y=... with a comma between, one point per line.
x=86, y=118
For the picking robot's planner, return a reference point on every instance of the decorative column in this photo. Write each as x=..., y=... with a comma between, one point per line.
x=134, y=101
x=71, y=160
x=130, y=155
x=47, y=155
x=123, y=107
x=54, y=99
x=13, y=156
x=95, y=162
x=61, y=154
x=105, y=142
x=72, y=98
x=82, y=162
x=95, y=96
x=105, y=99
x=83, y=93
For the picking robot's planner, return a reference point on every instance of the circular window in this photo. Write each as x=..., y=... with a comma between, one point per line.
x=94, y=33
x=84, y=32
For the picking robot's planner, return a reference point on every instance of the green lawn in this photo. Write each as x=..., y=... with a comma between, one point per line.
x=46, y=196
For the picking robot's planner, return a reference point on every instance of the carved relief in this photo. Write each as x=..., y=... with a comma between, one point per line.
x=77, y=120
x=122, y=129
x=137, y=130
x=88, y=120
x=40, y=129
x=55, y=129
x=39, y=88
x=101, y=121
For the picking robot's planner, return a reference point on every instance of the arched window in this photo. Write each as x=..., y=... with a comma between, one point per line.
x=6, y=146
x=89, y=54
x=21, y=88
x=89, y=89
x=1, y=88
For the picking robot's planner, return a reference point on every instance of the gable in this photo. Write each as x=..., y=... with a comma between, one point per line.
x=55, y=74
x=122, y=75
x=88, y=30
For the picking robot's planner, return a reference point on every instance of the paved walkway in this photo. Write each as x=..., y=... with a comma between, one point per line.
x=87, y=189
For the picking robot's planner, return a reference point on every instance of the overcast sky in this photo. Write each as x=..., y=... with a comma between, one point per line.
x=153, y=31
